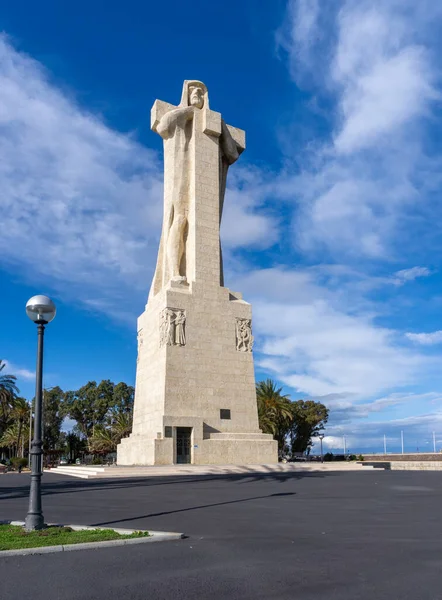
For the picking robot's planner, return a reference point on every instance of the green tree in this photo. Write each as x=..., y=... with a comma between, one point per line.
x=73, y=444
x=10, y=437
x=309, y=419
x=123, y=399
x=290, y=422
x=102, y=442
x=274, y=411
x=89, y=406
x=20, y=413
x=8, y=392
x=106, y=439
x=52, y=417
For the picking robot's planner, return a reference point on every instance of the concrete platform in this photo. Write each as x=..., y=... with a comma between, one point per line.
x=84, y=472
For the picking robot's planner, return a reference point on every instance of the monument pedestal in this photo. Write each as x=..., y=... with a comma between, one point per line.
x=195, y=398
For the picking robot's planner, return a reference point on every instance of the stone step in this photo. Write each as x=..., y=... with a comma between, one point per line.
x=198, y=470
x=81, y=472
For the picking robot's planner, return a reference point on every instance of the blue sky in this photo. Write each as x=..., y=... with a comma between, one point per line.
x=332, y=217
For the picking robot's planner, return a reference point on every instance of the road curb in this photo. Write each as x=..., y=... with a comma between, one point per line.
x=154, y=536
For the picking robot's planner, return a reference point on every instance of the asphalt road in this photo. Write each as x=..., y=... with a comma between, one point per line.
x=346, y=536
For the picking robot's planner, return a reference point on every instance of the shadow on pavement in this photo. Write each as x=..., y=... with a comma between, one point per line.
x=170, y=512
x=65, y=486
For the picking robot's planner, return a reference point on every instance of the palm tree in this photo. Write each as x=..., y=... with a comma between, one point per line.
x=122, y=426
x=8, y=391
x=106, y=439
x=102, y=441
x=274, y=410
x=20, y=414
x=10, y=436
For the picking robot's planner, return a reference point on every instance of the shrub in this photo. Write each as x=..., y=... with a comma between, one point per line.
x=328, y=456
x=17, y=462
x=360, y=457
x=352, y=457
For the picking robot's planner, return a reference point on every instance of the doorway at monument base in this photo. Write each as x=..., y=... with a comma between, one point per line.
x=219, y=449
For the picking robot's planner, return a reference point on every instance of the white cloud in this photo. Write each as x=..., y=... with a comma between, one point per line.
x=368, y=436
x=346, y=409
x=19, y=372
x=371, y=63
x=412, y=274
x=82, y=203
x=385, y=80
x=315, y=343
x=242, y=224
x=380, y=102
x=426, y=339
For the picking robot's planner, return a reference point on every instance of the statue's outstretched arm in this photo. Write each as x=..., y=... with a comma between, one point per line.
x=229, y=148
x=168, y=122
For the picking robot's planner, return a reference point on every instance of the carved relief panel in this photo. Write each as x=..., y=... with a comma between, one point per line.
x=173, y=327
x=244, y=337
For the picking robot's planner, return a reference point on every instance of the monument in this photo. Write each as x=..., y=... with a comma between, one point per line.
x=195, y=399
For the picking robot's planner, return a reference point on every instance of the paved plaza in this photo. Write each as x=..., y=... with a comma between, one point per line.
x=335, y=535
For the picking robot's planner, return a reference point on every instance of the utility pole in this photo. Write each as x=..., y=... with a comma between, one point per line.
x=385, y=444
x=434, y=442
x=402, y=441
x=345, y=445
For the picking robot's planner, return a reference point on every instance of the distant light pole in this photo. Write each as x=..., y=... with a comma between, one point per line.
x=41, y=310
x=402, y=441
x=434, y=442
x=321, y=437
x=345, y=445
x=385, y=444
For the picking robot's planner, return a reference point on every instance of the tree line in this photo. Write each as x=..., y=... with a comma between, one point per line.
x=293, y=423
x=101, y=415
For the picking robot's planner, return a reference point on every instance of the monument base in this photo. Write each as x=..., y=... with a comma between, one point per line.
x=195, y=396
x=218, y=449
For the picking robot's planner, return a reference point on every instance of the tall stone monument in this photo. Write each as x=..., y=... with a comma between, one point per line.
x=195, y=399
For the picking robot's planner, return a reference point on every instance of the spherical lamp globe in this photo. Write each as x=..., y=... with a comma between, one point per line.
x=40, y=309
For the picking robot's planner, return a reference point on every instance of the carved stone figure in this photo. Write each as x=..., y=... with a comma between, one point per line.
x=172, y=327
x=244, y=337
x=180, y=334
x=176, y=125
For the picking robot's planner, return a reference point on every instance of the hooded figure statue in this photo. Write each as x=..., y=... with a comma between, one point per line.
x=176, y=127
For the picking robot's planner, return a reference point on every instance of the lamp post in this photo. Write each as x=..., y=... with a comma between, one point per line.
x=321, y=437
x=41, y=310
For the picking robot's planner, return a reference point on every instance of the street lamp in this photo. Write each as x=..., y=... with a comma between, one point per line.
x=321, y=437
x=41, y=310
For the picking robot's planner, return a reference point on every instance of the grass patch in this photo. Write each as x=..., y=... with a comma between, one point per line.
x=14, y=537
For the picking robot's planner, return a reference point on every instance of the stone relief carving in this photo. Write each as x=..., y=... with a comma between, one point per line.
x=244, y=337
x=173, y=327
